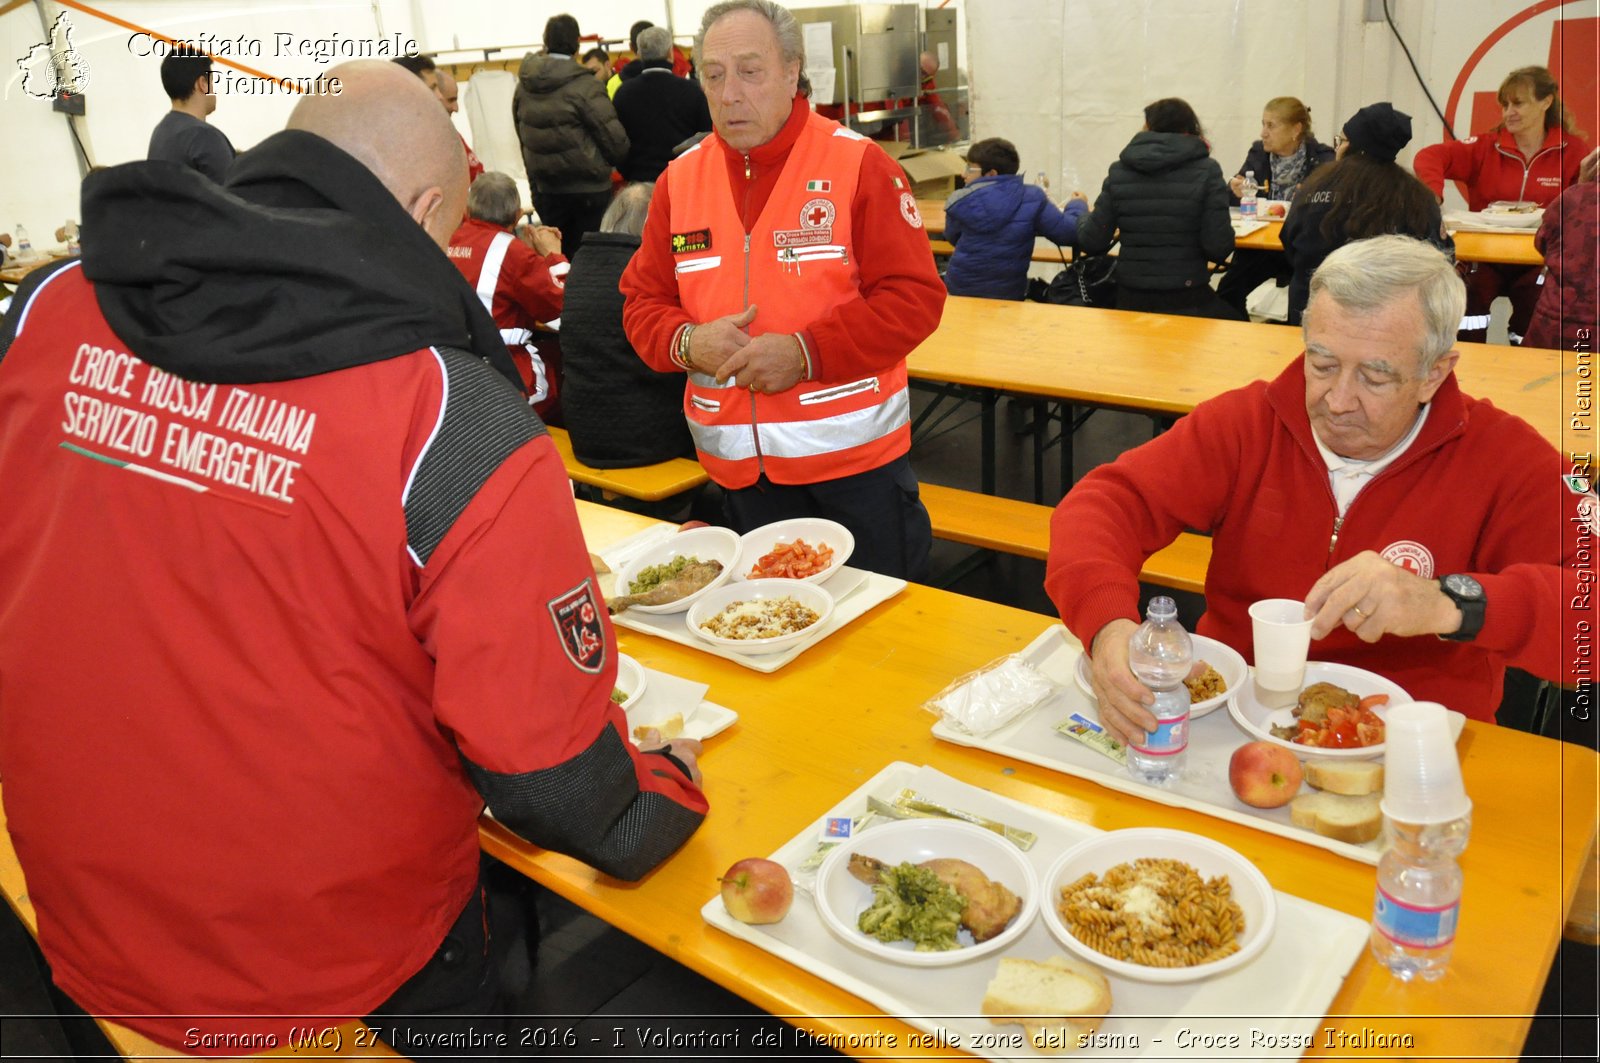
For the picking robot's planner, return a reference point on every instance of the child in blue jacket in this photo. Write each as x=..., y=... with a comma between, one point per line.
x=993, y=221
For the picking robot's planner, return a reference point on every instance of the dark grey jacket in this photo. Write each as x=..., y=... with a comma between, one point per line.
x=1167, y=200
x=620, y=412
x=569, y=131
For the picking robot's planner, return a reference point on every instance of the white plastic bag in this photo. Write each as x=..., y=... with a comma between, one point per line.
x=991, y=697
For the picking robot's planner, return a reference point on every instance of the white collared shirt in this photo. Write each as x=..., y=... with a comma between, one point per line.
x=1347, y=476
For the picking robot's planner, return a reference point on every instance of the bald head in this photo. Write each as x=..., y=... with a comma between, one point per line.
x=395, y=127
x=449, y=91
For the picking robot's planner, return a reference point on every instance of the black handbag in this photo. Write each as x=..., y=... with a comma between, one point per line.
x=1088, y=280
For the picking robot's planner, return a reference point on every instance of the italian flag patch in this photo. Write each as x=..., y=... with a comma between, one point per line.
x=819, y=186
x=899, y=182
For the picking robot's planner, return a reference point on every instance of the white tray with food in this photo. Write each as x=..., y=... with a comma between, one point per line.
x=1339, y=813
x=1268, y=1006
x=675, y=707
x=1496, y=218
x=852, y=591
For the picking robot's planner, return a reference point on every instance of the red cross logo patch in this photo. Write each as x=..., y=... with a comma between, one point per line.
x=576, y=615
x=816, y=214
x=1411, y=556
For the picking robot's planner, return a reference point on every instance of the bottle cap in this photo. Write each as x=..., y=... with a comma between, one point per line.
x=1421, y=773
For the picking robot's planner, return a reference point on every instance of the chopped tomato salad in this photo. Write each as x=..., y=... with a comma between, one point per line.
x=1345, y=726
x=795, y=560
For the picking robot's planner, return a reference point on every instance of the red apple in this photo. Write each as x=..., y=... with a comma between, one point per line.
x=1264, y=775
x=757, y=890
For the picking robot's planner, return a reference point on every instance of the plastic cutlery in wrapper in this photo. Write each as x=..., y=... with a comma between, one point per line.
x=991, y=697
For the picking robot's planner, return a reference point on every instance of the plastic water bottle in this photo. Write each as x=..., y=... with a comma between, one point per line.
x=1159, y=655
x=1247, y=196
x=24, y=245
x=1042, y=181
x=1419, y=897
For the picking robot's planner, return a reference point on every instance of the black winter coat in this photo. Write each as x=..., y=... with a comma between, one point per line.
x=620, y=412
x=569, y=131
x=659, y=111
x=1166, y=198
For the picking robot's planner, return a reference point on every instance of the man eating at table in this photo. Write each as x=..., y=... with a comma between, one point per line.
x=1426, y=530
x=294, y=584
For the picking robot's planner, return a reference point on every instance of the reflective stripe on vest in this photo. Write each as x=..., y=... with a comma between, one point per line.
x=804, y=439
x=489, y=280
x=796, y=264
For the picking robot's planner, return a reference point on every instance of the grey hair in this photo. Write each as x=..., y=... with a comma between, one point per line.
x=655, y=43
x=629, y=206
x=791, y=42
x=1365, y=276
x=493, y=198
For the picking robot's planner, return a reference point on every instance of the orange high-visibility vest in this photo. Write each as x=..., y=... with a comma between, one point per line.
x=796, y=264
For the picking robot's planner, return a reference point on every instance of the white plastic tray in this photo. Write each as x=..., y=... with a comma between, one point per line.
x=1202, y=786
x=854, y=592
x=1284, y=992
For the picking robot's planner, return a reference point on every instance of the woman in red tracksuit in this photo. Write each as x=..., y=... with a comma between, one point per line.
x=1530, y=157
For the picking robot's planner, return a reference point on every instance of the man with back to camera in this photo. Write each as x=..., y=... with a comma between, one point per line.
x=518, y=277
x=784, y=267
x=658, y=109
x=569, y=134
x=323, y=570
x=185, y=135
x=1424, y=528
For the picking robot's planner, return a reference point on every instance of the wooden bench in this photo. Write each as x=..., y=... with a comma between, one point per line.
x=1023, y=529
x=647, y=483
x=353, y=1037
x=1060, y=256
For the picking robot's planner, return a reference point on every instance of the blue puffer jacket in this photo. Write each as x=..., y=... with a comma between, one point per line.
x=993, y=222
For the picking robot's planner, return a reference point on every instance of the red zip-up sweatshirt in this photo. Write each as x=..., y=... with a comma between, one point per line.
x=1491, y=167
x=1478, y=492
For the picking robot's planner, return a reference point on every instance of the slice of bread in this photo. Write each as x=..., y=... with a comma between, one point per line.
x=1348, y=819
x=670, y=728
x=1356, y=778
x=1055, y=1000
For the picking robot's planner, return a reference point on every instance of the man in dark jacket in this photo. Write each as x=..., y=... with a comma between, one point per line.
x=570, y=135
x=658, y=109
x=1166, y=197
x=993, y=222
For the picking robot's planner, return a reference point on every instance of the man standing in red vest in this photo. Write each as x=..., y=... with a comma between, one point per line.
x=784, y=267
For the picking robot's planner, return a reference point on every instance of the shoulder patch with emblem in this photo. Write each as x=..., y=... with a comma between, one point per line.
x=696, y=240
x=908, y=210
x=576, y=615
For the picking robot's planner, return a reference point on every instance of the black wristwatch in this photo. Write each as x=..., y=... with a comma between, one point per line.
x=1467, y=593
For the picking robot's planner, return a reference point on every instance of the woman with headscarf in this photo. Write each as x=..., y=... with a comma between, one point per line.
x=1530, y=157
x=1363, y=193
x=1285, y=155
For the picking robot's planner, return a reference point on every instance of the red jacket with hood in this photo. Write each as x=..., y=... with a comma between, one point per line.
x=294, y=584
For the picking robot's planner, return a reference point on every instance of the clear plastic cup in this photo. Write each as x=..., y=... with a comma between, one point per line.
x=1282, y=636
x=1421, y=772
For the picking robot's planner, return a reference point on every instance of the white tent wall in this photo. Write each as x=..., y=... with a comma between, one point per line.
x=1067, y=80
